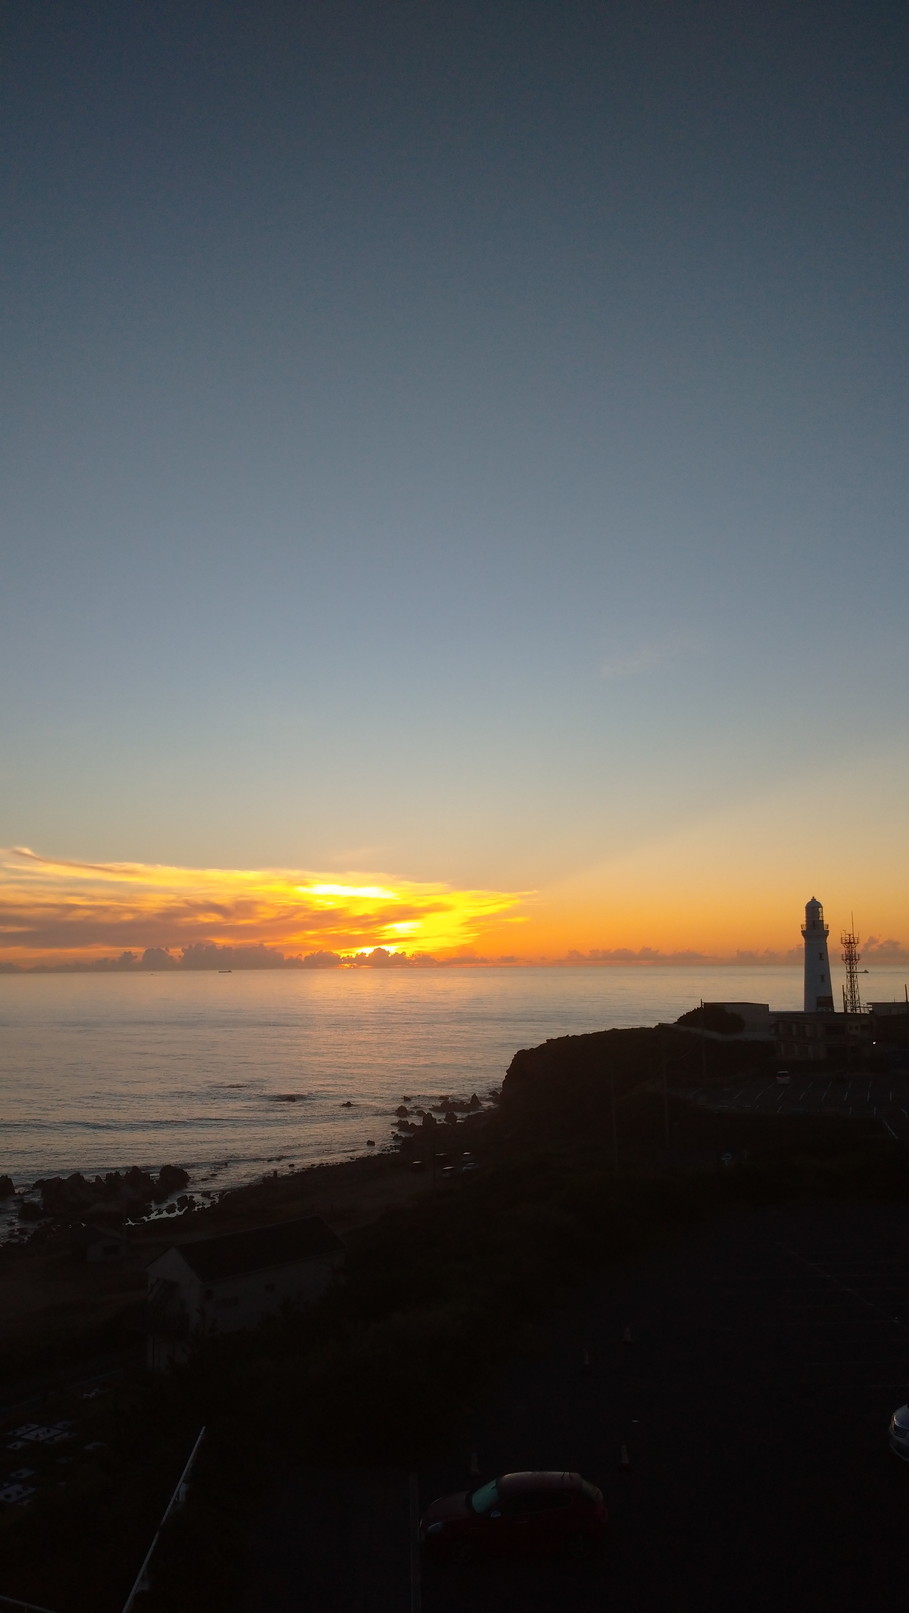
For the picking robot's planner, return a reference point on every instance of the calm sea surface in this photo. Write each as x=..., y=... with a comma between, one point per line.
x=100, y=1073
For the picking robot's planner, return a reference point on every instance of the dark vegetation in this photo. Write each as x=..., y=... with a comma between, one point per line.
x=594, y=1155
x=713, y=1017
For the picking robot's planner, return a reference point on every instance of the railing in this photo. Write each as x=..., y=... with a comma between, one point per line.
x=176, y=1500
x=30, y=1607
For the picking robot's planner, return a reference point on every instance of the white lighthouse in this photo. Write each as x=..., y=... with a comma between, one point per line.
x=818, y=986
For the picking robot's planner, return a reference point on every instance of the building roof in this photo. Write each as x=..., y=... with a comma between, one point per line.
x=285, y=1244
x=93, y=1232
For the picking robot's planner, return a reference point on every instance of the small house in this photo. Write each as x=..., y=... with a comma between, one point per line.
x=98, y=1244
x=224, y=1284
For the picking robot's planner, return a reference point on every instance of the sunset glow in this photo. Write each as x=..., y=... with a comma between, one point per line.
x=61, y=911
x=455, y=500
x=57, y=912
x=375, y=893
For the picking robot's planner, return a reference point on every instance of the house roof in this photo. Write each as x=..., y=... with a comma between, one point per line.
x=286, y=1244
x=93, y=1232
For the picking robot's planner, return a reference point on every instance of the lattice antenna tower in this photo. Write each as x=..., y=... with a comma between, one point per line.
x=852, y=1002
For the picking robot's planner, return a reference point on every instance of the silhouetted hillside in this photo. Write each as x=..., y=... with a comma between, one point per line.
x=566, y=1087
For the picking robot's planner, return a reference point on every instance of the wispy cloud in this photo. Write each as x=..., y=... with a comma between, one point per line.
x=649, y=654
x=59, y=909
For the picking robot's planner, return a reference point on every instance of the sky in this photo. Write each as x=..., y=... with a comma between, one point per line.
x=459, y=451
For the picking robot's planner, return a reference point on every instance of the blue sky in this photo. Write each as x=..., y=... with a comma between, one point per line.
x=465, y=442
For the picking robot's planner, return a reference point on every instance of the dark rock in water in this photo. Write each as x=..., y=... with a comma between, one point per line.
x=170, y=1179
x=405, y=1099
x=104, y=1214
x=67, y=1195
x=451, y=1118
x=138, y=1184
x=6, y=1187
x=370, y=1143
x=130, y=1192
x=474, y=1102
x=284, y=1097
x=347, y=1104
x=402, y=1112
x=29, y=1211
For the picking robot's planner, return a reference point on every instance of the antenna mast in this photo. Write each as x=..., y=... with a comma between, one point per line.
x=852, y=1002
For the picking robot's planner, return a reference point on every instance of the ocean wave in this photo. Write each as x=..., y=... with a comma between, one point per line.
x=125, y=1127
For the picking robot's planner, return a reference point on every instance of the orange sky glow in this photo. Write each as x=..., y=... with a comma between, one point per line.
x=57, y=912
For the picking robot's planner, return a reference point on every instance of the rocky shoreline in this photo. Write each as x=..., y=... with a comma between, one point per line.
x=60, y=1307
x=117, y=1196
x=133, y=1196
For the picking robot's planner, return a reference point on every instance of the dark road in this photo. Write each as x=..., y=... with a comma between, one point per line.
x=766, y=1355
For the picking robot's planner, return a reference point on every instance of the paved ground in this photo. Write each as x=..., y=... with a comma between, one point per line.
x=881, y=1097
x=767, y=1354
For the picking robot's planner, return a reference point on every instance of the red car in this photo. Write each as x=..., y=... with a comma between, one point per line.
x=519, y=1513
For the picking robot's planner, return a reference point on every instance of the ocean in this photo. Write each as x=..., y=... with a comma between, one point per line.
x=234, y=1075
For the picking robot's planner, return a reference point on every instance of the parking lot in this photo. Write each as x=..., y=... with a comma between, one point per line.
x=749, y=1371
x=884, y=1098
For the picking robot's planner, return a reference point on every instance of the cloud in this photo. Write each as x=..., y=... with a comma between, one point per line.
x=878, y=951
x=646, y=656
x=381, y=958
x=653, y=955
x=59, y=911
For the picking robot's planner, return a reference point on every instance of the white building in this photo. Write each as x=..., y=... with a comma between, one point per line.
x=796, y=1036
x=220, y=1285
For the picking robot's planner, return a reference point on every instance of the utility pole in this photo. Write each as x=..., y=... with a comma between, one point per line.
x=663, y=1063
x=615, y=1133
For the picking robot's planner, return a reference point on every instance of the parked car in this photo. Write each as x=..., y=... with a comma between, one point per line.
x=516, y=1514
x=784, y=1077
x=899, y=1433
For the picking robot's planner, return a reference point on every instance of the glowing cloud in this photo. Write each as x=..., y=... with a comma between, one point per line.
x=374, y=893
x=58, y=911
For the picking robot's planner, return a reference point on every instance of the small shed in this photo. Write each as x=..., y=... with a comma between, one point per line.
x=231, y=1282
x=97, y=1244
